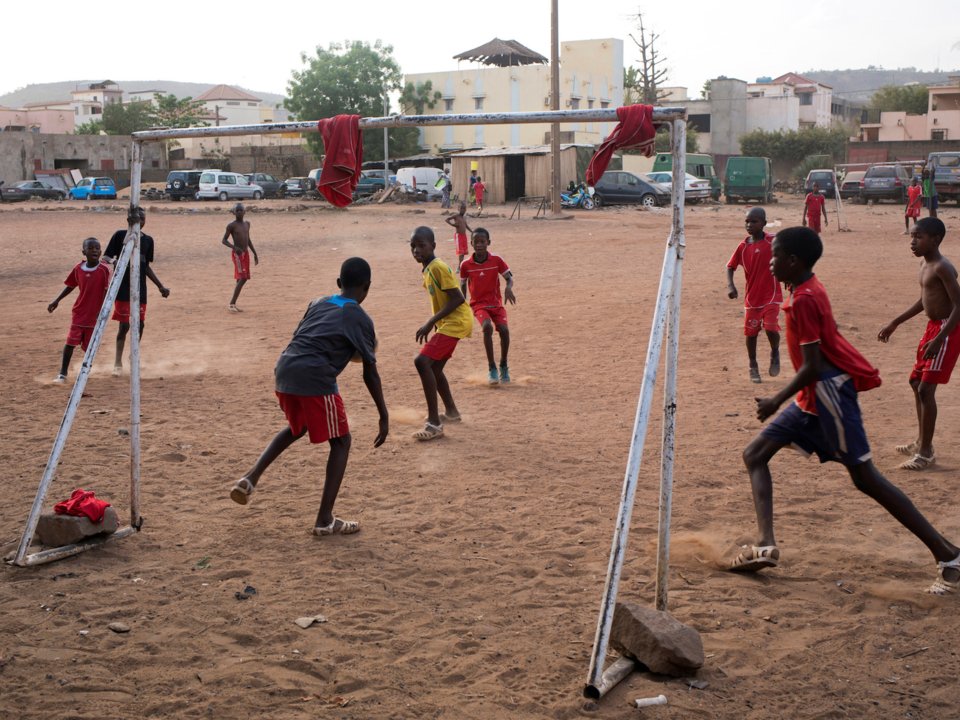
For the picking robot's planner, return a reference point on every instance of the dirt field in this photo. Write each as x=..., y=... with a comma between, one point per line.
x=474, y=587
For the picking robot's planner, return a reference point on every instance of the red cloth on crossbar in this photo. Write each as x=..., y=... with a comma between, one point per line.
x=344, y=154
x=83, y=502
x=635, y=129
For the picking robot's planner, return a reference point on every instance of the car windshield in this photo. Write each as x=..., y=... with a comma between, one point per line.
x=948, y=160
x=103, y=181
x=886, y=172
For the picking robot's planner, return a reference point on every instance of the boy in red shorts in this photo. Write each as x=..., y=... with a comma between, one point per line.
x=825, y=418
x=333, y=331
x=460, y=230
x=940, y=345
x=480, y=281
x=814, y=205
x=92, y=278
x=914, y=202
x=121, y=306
x=452, y=321
x=763, y=296
x=241, y=247
x=478, y=191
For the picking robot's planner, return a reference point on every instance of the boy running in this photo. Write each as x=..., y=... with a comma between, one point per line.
x=480, y=281
x=763, y=296
x=460, y=230
x=914, y=202
x=940, y=345
x=93, y=279
x=452, y=321
x=813, y=206
x=241, y=248
x=825, y=419
x=333, y=331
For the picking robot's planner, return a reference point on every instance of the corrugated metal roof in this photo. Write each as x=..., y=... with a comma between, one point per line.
x=516, y=150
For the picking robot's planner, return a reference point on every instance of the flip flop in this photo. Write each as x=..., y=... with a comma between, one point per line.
x=429, y=432
x=241, y=491
x=338, y=527
x=919, y=462
x=755, y=375
x=756, y=557
x=940, y=585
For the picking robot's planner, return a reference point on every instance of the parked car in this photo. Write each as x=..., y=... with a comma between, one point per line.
x=885, y=182
x=825, y=179
x=183, y=184
x=94, y=187
x=694, y=189
x=946, y=179
x=424, y=179
x=698, y=165
x=226, y=186
x=618, y=187
x=297, y=186
x=850, y=185
x=12, y=194
x=40, y=189
x=370, y=182
x=748, y=178
x=271, y=186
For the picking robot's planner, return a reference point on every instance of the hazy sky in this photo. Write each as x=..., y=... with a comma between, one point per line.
x=256, y=45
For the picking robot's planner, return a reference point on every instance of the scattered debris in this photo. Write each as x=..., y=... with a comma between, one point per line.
x=119, y=627
x=309, y=620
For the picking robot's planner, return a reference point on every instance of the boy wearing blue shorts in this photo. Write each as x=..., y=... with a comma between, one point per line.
x=825, y=419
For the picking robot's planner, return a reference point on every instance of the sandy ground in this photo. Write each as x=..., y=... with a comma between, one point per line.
x=473, y=589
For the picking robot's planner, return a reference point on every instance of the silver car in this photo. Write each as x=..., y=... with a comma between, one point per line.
x=226, y=186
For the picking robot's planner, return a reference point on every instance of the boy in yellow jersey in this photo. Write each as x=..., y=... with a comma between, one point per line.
x=452, y=321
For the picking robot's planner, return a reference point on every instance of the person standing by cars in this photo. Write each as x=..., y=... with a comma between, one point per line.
x=812, y=207
x=928, y=179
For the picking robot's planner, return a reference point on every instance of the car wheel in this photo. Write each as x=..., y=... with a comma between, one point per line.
x=588, y=204
x=257, y=195
x=196, y=195
x=62, y=196
x=597, y=200
x=692, y=201
x=649, y=200
x=224, y=196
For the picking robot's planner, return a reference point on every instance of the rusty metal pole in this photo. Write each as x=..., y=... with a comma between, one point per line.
x=555, y=105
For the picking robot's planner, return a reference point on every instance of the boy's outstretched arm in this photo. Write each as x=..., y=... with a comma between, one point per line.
x=63, y=293
x=165, y=292
x=508, y=290
x=454, y=300
x=887, y=330
x=808, y=373
x=731, y=288
x=371, y=378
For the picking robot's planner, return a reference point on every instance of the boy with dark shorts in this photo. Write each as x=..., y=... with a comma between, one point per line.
x=939, y=346
x=121, y=306
x=814, y=205
x=763, y=296
x=333, y=331
x=452, y=321
x=92, y=278
x=480, y=281
x=460, y=230
x=825, y=418
x=241, y=247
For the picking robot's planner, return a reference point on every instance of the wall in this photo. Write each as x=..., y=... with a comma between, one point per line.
x=871, y=152
x=47, y=120
x=728, y=119
x=282, y=161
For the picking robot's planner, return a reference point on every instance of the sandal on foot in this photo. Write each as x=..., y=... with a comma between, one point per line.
x=450, y=419
x=918, y=462
x=429, y=432
x=942, y=586
x=909, y=449
x=774, y=366
x=338, y=527
x=241, y=491
x=753, y=558
x=755, y=375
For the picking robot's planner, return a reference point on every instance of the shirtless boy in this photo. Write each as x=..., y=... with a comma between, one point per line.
x=242, y=246
x=940, y=345
x=460, y=229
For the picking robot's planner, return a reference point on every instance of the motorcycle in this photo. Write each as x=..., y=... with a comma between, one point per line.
x=579, y=197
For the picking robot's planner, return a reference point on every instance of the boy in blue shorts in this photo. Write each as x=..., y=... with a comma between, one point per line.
x=825, y=419
x=333, y=331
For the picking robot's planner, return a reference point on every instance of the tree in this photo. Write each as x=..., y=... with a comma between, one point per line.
x=911, y=99
x=705, y=90
x=349, y=78
x=414, y=100
x=794, y=146
x=172, y=112
x=92, y=127
x=127, y=119
x=640, y=84
x=662, y=141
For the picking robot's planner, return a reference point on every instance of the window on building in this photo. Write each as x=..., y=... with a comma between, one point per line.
x=938, y=134
x=574, y=103
x=232, y=102
x=700, y=122
x=590, y=104
x=478, y=103
x=806, y=98
x=250, y=104
x=448, y=104
x=604, y=104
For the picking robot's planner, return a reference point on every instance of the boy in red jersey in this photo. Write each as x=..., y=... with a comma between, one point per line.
x=763, y=296
x=452, y=321
x=914, y=202
x=460, y=230
x=334, y=330
x=478, y=190
x=813, y=206
x=939, y=347
x=480, y=281
x=241, y=248
x=93, y=279
x=825, y=418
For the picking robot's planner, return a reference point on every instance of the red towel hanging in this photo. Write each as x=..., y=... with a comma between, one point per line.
x=343, y=150
x=635, y=129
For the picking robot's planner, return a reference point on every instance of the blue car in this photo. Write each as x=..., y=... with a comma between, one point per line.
x=96, y=187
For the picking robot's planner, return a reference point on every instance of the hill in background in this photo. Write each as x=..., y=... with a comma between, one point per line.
x=859, y=85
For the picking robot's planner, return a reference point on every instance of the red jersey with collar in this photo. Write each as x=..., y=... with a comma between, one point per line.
x=483, y=280
x=762, y=286
x=92, y=283
x=814, y=203
x=914, y=194
x=810, y=320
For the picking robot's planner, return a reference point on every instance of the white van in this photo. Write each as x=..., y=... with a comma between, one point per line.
x=426, y=178
x=219, y=184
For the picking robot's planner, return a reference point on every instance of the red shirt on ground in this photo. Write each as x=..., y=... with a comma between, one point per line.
x=762, y=286
x=483, y=280
x=93, y=283
x=810, y=320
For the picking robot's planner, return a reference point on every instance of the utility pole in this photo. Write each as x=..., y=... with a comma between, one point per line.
x=555, y=105
x=386, y=143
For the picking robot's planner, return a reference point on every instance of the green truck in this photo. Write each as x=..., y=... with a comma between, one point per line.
x=700, y=166
x=748, y=178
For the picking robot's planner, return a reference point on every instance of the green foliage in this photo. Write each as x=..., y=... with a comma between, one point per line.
x=705, y=90
x=349, y=78
x=126, y=119
x=662, y=141
x=416, y=98
x=814, y=162
x=794, y=145
x=93, y=127
x=901, y=98
x=173, y=112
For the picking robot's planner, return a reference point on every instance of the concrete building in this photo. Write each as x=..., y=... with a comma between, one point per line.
x=41, y=119
x=591, y=76
x=940, y=123
x=88, y=103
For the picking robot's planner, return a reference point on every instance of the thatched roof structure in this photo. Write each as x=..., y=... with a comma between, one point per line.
x=503, y=53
